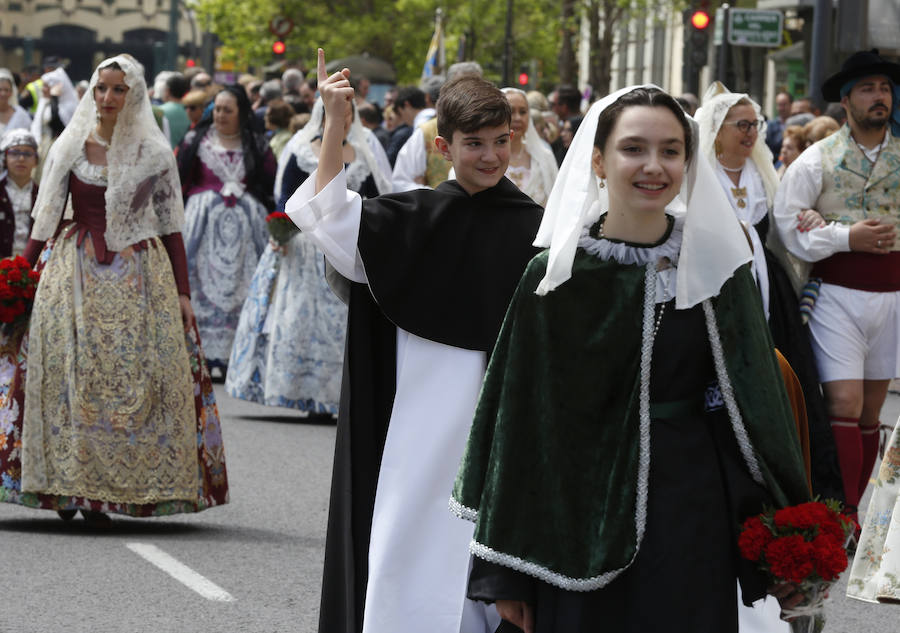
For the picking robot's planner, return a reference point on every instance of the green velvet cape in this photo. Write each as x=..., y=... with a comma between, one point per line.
x=552, y=471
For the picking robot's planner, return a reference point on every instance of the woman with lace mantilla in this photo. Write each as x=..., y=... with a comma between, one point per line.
x=633, y=396
x=289, y=346
x=532, y=166
x=733, y=141
x=226, y=175
x=106, y=404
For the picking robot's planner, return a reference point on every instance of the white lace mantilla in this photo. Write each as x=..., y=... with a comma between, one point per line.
x=665, y=255
x=357, y=171
x=227, y=165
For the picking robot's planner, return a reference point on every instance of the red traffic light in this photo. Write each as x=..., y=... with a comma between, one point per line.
x=523, y=79
x=190, y=63
x=278, y=47
x=700, y=20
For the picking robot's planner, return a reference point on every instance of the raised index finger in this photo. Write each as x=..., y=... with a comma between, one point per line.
x=323, y=75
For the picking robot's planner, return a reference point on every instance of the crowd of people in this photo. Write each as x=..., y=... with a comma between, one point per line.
x=589, y=319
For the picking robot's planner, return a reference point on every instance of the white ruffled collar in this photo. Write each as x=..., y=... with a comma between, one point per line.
x=633, y=254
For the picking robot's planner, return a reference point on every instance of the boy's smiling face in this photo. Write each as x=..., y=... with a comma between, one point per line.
x=479, y=158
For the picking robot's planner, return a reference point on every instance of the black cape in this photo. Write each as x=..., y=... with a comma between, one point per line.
x=442, y=265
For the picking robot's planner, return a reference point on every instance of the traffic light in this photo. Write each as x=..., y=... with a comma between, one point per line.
x=699, y=37
x=278, y=48
x=696, y=41
x=523, y=75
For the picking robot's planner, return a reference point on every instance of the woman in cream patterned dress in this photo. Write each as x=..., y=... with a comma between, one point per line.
x=105, y=401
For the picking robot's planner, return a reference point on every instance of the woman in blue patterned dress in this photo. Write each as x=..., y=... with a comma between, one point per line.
x=226, y=176
x=289, y=347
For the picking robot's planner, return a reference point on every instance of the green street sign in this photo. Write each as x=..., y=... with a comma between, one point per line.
x=750, y=27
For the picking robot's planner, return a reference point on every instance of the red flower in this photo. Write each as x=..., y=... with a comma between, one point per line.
x=829, y=556
x=804, y=516
x=6, y=292
x=21, y=262
x=6, y=264
x=754, y=538
x=790, y=558
x=277, y=215
x=14, y=274
x=34, y=275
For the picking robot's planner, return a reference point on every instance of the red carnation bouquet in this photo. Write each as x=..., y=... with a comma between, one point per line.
x=804, y=545
x=281, y=228
x=18, y=283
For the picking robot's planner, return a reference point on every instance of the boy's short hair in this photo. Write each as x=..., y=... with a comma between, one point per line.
x=469, y=104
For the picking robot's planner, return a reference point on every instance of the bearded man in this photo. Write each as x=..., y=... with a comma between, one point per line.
x=852, y=179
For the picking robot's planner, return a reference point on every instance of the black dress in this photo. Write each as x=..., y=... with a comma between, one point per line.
x=683, y=577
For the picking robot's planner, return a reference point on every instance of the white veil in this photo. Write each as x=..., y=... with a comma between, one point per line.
x=67, y=101
x=20, y=118
x=717, y=101
x=143, y=194
x=363, y=141
x=713, y=246
x=543, y=160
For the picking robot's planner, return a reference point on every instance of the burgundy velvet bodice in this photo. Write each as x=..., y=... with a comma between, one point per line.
x=89, y=218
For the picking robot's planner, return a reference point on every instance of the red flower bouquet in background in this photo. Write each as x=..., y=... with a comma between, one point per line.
x=281, y=228
x=18, y=283
x=804, y=545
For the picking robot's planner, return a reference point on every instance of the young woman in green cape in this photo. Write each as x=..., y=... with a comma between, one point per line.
x=633, y=412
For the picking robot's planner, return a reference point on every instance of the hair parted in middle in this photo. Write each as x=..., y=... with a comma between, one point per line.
x=471, y=103
x=653, y=97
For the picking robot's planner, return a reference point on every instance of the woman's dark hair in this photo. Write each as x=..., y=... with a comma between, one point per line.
x=653, y=97
x=253, y=145
x=279, y=113
x=575, y=122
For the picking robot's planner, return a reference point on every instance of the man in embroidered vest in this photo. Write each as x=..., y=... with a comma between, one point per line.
x=852, y=179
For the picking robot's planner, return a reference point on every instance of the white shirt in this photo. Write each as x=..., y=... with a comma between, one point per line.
x=800, y=188
x=20, y=198
x=424, y=115
x=411, y=163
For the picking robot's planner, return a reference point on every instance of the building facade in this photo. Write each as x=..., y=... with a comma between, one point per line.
x=83, y=32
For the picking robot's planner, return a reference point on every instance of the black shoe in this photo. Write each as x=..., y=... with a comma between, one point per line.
x=66, y=515
x=96, y=519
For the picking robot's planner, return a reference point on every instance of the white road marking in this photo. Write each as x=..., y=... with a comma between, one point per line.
x=180, y=572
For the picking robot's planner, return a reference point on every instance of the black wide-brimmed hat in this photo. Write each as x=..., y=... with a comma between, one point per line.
x=861, y=64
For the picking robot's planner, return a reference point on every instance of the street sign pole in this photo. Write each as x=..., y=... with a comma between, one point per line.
x=820, y=41
x=722, y=63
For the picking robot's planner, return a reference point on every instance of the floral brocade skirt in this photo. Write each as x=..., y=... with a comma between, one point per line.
x=105, y=402
x=224, y=238
x=875, y=574
x=289, y=346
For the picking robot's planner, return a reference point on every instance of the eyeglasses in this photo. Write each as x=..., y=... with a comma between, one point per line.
x=745, y=126
x=16, y=153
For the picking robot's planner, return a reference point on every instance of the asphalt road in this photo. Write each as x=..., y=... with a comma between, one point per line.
x=262, y=553
x=264, y=549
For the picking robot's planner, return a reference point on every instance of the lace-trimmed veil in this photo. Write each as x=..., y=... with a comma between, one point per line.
x=543, y=160
x=717, y=101
x=358, y=137
x=713, y=246
x=143, y=194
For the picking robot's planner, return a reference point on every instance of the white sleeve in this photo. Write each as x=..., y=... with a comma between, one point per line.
x=331, y=219
x=800, y=189
x=411, y=163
